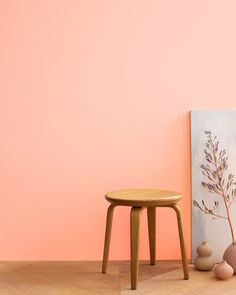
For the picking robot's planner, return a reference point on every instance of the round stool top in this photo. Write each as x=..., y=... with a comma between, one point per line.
x=143, y=197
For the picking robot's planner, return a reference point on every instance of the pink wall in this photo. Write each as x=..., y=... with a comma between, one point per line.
x=94, y=96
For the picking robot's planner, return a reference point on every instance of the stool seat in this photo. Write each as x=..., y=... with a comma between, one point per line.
x=143, y=197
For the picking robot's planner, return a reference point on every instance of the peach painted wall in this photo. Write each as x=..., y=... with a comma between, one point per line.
x=94, y=96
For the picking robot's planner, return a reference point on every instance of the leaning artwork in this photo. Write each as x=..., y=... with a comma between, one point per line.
x=213, y=181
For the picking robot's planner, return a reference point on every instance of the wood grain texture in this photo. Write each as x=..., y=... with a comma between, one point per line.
x=169, y=283
x=143, y=197
x=135, y=215
x=181, y=239
x=85, y=278
x=107, y=239
x=151, y=215
x=57, y=278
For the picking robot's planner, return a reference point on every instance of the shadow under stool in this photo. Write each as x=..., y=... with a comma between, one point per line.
x=139, y=199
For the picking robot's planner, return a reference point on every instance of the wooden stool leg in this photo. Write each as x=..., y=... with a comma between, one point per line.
x=181, y=239
x=134, y=243
x=107, y=237
x=151, y=214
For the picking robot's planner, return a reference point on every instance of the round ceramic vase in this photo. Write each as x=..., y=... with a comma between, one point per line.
x=230, y=255
x=223, y=271
x=204, y=261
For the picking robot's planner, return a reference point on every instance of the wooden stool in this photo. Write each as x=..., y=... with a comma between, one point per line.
x=140, y=199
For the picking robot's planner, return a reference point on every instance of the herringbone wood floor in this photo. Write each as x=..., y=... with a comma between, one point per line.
x=85, y=278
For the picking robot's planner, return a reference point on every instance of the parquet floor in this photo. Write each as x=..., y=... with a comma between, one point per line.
x=85, y=278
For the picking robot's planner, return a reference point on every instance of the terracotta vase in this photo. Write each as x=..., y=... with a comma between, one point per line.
x=223, y=271
x=204, y=260
x=230, y=255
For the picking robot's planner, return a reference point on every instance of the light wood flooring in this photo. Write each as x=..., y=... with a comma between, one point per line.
x=85, y=278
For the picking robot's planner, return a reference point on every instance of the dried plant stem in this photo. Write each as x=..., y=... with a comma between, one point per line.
x=231, y=202
x=229, y=220
x=213, y=214
x=223, y=193
x=218, y=181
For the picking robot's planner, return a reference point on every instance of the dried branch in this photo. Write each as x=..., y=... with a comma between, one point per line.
x=208, y=211
x=218, y=183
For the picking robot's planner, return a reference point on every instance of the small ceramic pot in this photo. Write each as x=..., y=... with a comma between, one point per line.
x=204, y=260
x=230, y=255
x=223, y=271
x=204, y=263
x=204, y=250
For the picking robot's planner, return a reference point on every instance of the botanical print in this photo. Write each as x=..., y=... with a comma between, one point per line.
x=213, y=181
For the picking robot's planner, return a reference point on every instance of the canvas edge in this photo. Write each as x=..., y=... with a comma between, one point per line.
x=191, y=190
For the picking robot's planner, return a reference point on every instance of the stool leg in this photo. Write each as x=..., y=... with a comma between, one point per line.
x=107, y=237
x=181, y=239
x=134, y=243
x=151, y=214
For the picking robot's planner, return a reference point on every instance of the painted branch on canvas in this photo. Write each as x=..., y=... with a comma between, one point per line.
x=218, y=182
